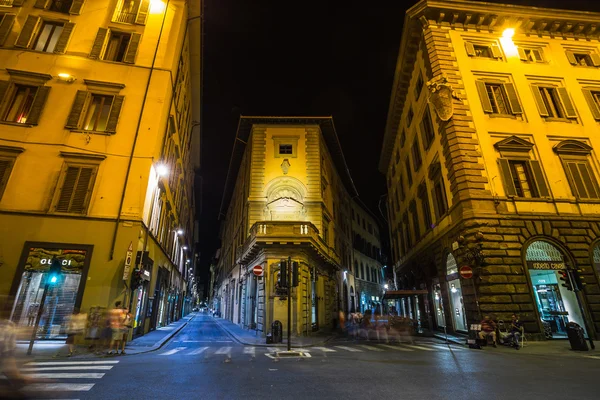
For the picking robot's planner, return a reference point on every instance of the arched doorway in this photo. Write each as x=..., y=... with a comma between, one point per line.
x=556, y=305
x=457, y=307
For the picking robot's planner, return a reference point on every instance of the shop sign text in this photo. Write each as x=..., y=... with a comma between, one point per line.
x=556, y=265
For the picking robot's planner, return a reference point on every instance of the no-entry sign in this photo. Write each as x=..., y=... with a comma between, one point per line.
x=257, y=270
x=466, y=272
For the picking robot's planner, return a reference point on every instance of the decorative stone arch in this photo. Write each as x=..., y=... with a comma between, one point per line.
x=285, y=200
x=560, y=245
x=571, y=146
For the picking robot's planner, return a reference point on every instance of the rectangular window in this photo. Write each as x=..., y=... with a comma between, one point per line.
x=62, y=6
x=415, y=220
x=531, y=54
x=401, y=187
x=416, y=155
x=116, y=47
x=582, y=179
x=409, y=116
x=439, y=198
x=427, y=129
x=20, y=102
x=285, y=149
x=48, y=36
x=592, y=97
x=523, y=178
x=6, y=165
x=483, y=50
x=499, y=98
x=402, y=138
x=425, y=209
x=408, y=172
x=583, y=58
x=132, y=11
x=418, y=86
x=98, y=112
x=406, y=230
x=553, y=102
x=76, y=188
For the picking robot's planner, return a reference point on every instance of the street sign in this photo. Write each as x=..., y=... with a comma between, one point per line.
x=257, y=270
x=466, y=272
x=128, y=260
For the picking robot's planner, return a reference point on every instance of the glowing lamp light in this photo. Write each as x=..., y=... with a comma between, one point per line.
x=162, y=170
x=63, y=76
x=184, y=247
x=453, y=289
x=53, y=279
x=157, y=6
x=180, y=231
x=508, y=33
x=386, y=286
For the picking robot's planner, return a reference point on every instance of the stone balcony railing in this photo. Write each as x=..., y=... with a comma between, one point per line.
x=270, y=233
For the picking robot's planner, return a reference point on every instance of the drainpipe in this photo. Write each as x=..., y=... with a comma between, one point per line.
x=135, y=139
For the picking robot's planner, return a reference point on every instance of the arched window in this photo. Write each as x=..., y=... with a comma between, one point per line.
x=451, y=267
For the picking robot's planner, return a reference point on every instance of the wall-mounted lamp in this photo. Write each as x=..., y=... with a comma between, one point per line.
x=179, y=232
x=162, y=170
x=157, y=6
x=63, y=76
x=508, y=33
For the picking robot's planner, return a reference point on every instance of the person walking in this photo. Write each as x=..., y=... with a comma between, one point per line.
x=126, y=323
x=116, y=326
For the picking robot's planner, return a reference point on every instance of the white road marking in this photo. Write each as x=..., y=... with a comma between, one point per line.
x=67, y=375
x=397, y=348
x=274, y=349
x=73, y=363
x=446, y=347
x=594, y=357
x=372, y=348
x=206, y=341
x=71, y=368
x=414, y=346
x=197, y=351
x=352, y=349
x=224, y=350
x=171, y=352
x=324, y=349
x=61, y=387
x=250, y=350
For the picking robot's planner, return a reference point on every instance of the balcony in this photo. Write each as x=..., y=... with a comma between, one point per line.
x=62, y=6
x=264, y=234
x=125, y=17
x=6, y=3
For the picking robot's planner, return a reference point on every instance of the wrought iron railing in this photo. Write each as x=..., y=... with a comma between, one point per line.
x=6, y=3
x=125, y=17
x=63, y=6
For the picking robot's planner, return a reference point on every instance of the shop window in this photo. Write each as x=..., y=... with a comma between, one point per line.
x=575, y=157
x=592, y=96
x=440, y=315
x=61, y=6
x=22, y=103
x=6, y=23
x=491, y=51
x=418, y=86
x=553, y=102
x=427, y=129
x=45, y=35
x=131, y=11
x=113, y=45
x=499, y=98
x=583, y=58
x=95, y=112
x=457, y=307
x=416, y=155
x=529, y=54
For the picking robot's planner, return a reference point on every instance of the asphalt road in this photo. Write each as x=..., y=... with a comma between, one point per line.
x=204, y=362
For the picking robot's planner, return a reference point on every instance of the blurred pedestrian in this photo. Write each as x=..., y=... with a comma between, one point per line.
x=116, y=325
x=11, y=386
x=127, y=321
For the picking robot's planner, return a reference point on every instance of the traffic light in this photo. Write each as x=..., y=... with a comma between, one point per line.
x=136, y=278
x=295, y=277
x=283, y=272
x=54, y=273
x=578, y=279
x=565, y=277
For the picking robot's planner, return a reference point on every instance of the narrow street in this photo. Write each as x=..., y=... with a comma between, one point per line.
x=203, y=362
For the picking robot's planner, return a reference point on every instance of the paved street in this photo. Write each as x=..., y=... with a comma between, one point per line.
x=203, y=362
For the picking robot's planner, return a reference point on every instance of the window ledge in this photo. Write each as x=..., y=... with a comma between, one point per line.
x=101, y=133
x=511, y=116
x=566, y=120
x=17, y=124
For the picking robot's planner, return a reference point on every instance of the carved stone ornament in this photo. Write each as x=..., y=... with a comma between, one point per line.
x=285, y=166
x=441, y=97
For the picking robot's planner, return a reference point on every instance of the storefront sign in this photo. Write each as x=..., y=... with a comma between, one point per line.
x=555, y=265
x=40, y=259
x=145, y=275
x=128, y=260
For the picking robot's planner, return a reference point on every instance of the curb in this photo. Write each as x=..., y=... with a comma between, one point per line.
x=449, y=339
x=164, y=340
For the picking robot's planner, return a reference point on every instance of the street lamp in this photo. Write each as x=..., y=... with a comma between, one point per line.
x=162, y=170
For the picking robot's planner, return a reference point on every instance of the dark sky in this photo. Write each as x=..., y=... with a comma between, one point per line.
x=264, y=57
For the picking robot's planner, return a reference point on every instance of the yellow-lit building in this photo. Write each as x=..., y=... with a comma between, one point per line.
x=97, y=157
x=287, y=195
x=490, y=154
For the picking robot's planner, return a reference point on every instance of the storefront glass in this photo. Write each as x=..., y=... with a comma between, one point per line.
x=556, y=305
x=61, y=296
x=455, y=293
x=439, y=306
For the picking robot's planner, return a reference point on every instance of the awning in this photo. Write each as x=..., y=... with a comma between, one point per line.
x=398, y=294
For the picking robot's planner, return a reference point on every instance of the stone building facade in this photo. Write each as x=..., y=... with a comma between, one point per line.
x=490, y=156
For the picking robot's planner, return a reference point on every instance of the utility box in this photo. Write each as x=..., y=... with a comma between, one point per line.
x=277, y=331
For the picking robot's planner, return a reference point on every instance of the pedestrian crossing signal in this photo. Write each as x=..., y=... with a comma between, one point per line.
x=283, y=274
x=55, y=271
x=566, y=279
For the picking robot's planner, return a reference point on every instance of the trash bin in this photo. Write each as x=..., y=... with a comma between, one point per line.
x=576, y=337
x=277, y=330
x=269, y=338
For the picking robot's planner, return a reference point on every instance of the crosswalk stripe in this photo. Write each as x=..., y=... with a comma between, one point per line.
x=446, y=347
x=71, y=368
x=197, y=351
x=73, y=363
x=250, y=350
x=275, y=349
x=224, y=350
x=398, y=348
x=59, y=387
x=171, y=352
x=66, y=375
x=324, y=349
x=414, y=346
x=352, y=349
x=372, y=348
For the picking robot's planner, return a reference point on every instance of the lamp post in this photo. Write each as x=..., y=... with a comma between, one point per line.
x=472, y=254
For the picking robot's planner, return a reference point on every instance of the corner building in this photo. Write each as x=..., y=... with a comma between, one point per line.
x=96, y=158
x=490, y=154
x=288, y=194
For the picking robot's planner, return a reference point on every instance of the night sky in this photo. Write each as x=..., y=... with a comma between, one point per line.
x=306, y=58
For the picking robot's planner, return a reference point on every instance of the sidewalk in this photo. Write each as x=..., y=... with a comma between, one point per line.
x=149, y=342
x=255, y=338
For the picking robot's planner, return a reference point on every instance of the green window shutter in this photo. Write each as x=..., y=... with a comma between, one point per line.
x=6, y=23
x=537, y=95
x=511, y=93
x=539, y=56
x=4, y=85
x=142, y=14
x=589, y=97
x=63, y=40
x=595, y=57
x=98, y=45
x=567, y=103
x=82, y=190
x=575, y=180
x=63, y=203
x=132, y=48
x=522, y=54
x=483, y=95
x=37, y=106
x=27, y=32
x=18, y=3
x=76, y=7
x=496, y=53
x=424, y=134
x=5, y=168
x=538, y=175
x=77, y=109
x=571, y=57
x=115, y=111
x=509, y=186
x=470, y=49
x=588, y=180
x=42, y=4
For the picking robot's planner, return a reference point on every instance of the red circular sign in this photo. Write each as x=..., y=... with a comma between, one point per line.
x=257, y=270
x=466, y=272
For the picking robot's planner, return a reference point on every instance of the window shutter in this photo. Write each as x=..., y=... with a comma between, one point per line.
x=538, y=175
x=595, y=59
x=575, y=180
x=6, y=23
x=38, y=105
x=522, y=54
x=76, y=6
x=5, y=168
x=587, y=93
x=539, y=56
x=470, y=49
x=76, y=109
x=567, y=103
x=509, y=186
x=588, y=180
x=483, y=95
x=424, y=134
x=132, y=48
x=115, y=110
x=98, y=45
x=496, y=53
x=537, y=95
x=4, y=85
x=571, y=57
x=42, y=4
x=63, y=40
x=513, y=99
x=66, y=191
x=27, y=32
x=142, y=12
x=82, y=190
x=18, y=3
